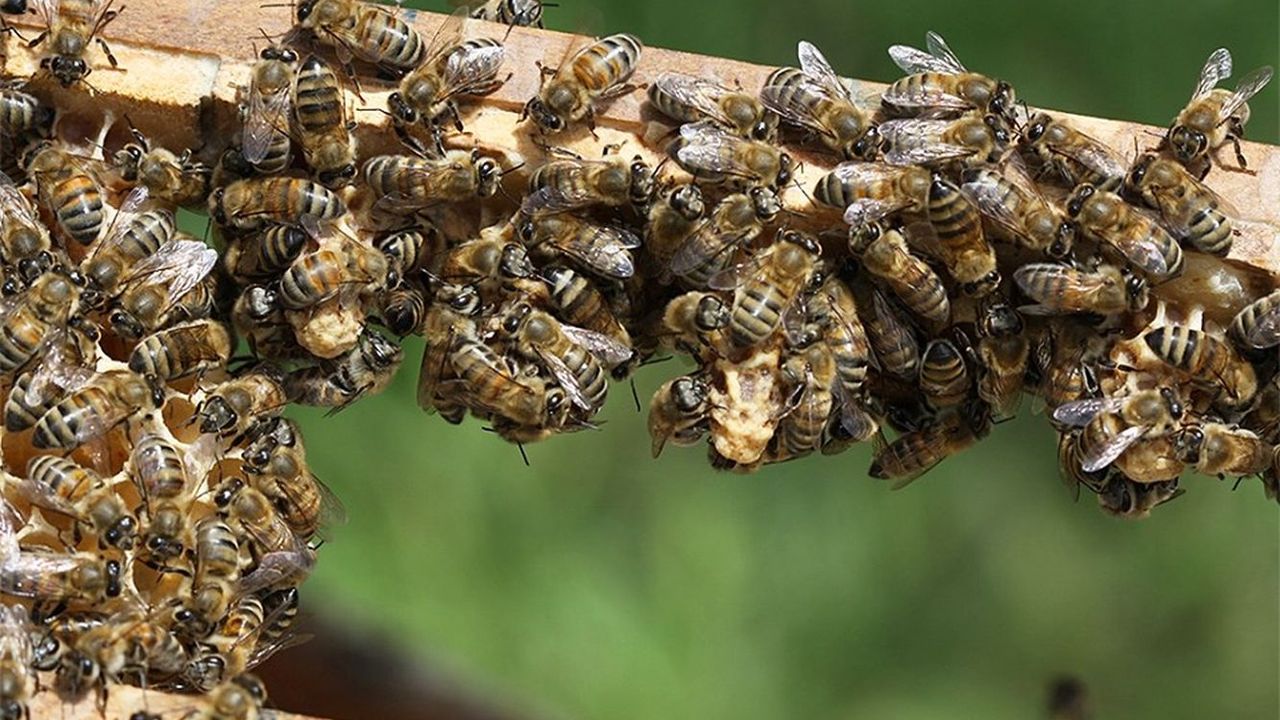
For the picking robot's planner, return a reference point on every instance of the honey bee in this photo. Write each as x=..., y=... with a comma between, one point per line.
x=835, y=311
x=129, y=241
x=266, y=253
x=767, y=287
x=1222, y=450
x=736, y=221
x=1214, y=116
x=62, y=486
x=259, y=318
x=162, y=287
x=971, y=140
x=574, y=356
x=596, y=73
x=1125, y=498
x=27, y=319
x=486, y=262
x=18, y=680
x=1113, y=425
x=1257, y=326
x=65, y=364
x=265, y=142
x=696, y=322
x=22, y=114
x=243, y=697
x=1003, y=353
x=676, y=215
x=172, y=178
x=602, y=249
x=944, y=376
x=1064, y=289
x=364, y=30
x=71, y=27
x=1073, y=477
x=938, y=84
x=407, y=251
x=404, y=185
x=525, y=13
x=1071, y=155
x=305, y=503
x=1069, y=356
x=365, y=369
x=578, y=302
x=250, y=511
x=876, y=189
x=884, y=254
x=231, y=407
x=451, y=68
x=47, y=576
x=324, y=131
x=1192, y=211
x=678, y=413
x=573, y=184
x=689, y=99
x=1020, y=211
x=892, y=338
x=182, y=350
x=817, y=100
x=322, y=274
x=24, y=241
x=713, y=155
x=254, y=202
x=213, y=582
x=810, y=376
x=961, y=244
x=129, y=644
x=485, y=381
x=911, y=455
x=1139, y=238
x=404, y=309
x=159, y=470
x=1206, y=359
x=69, y=189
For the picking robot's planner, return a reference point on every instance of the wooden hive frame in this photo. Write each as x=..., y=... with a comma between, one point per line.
x=181, y=64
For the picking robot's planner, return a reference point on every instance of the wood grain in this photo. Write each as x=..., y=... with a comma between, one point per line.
x=123, y=701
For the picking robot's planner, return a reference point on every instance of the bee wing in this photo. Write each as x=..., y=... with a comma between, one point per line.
x=1216, y=69
x=34, y=574
x=332, y=512
x=179, y=265
x=470, y=69
x=699, y=93
x=10, y=523
x=916, y=141
x=1142, y=254
x=855, y=419
x=62, y=368
x=551, y=199
x=939, y=48
x=1094, y=155
x=865, y=211
x=790, y=103
x=914, y=60
x=566, y=379
x=46, y=9
x=1265, y=332
x=267, y=115
x=1078, y=413
x=737, y=275
x=13, y=203
x=709, y=148
x=264, y=650
x=603, y=249
x=122, y=221
x=1251, y=85
x=278, y=569
x=606, y=349
x=43, y=496
x=702, y=246
x=1064, y=275
x=992, y=201
x=815, y=65
x=888, y=317
x=447, y=36
x=1102, y=456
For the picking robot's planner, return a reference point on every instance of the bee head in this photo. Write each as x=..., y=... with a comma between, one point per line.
x=689, y=394
x=67, y=70
x=1064, y=237
x=543, y=117
x=1135, y=287
x=1075, y=203
x=1188, y=444
x=786, y=170
x=121, y=533
x=1172, y=402
x=642, y=181
x=338, y=177
x=1003, y=100
x=1187, y=144
x=983, y=285
x=216, y=206
x=867, y=146
x=765, y=203
x=400, y=110
x=688, y=202
x=488, y=175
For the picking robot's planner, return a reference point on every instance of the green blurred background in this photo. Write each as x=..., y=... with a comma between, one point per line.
x=599, y=583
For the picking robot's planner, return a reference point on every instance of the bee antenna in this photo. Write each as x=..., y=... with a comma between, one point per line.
x=635, y=395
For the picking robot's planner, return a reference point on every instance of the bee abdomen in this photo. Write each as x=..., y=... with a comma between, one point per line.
x=1177, y=345
x=79, y=209
x=755, y=315
x=944, y=379
x=608, y=62
x=1210, y=231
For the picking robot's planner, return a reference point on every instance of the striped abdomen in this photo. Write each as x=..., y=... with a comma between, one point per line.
x=608, y=62
x=318, y=97
x=944, y=379
x=384, y=39
x=1210, y=231
x=757, y=311
x=79, y=207
x=593, y=381
x=88, y=411
x=182, y=350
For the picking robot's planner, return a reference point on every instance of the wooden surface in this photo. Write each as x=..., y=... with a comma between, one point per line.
x=182, y=61
x=123, y=702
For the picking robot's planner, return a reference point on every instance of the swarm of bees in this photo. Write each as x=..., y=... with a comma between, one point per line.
x=964, y=251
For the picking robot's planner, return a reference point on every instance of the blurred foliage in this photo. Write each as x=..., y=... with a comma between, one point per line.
x=599, y=583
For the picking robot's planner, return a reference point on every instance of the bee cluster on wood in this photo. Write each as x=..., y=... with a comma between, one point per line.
x=159, y=513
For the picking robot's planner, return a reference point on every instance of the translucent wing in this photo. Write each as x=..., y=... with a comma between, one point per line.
x=46, y=9
x=699, y=93
x=1102, y=456
x=566, y=379
x=1248, y=87
x=13, y=204
x=606, y=349
x=1095, y=156
x=815, y=65
x=331, y=513
x=902, y=338
x=37, y=574
x=793, y=103
x=471, y=69
x=1142, y=253
x=122, y=222
x=43, y=496
x=1265, y=332
x=703, y=246
x=709, y=148
x=916, y=141
x=914, y=60
x=939, y=49
x=279, y=570
x=603, y=249
x=1216, y=69
x=1078, y=413
x=865, y=211
x=267, y=117
x=62, y=367
x=994, y=199
x=447, y=36
x=561, y=197
x=179, y=265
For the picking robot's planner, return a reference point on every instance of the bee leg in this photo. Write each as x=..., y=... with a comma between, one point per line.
x=111, y=58
x=452, y=110
x=34, y=42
